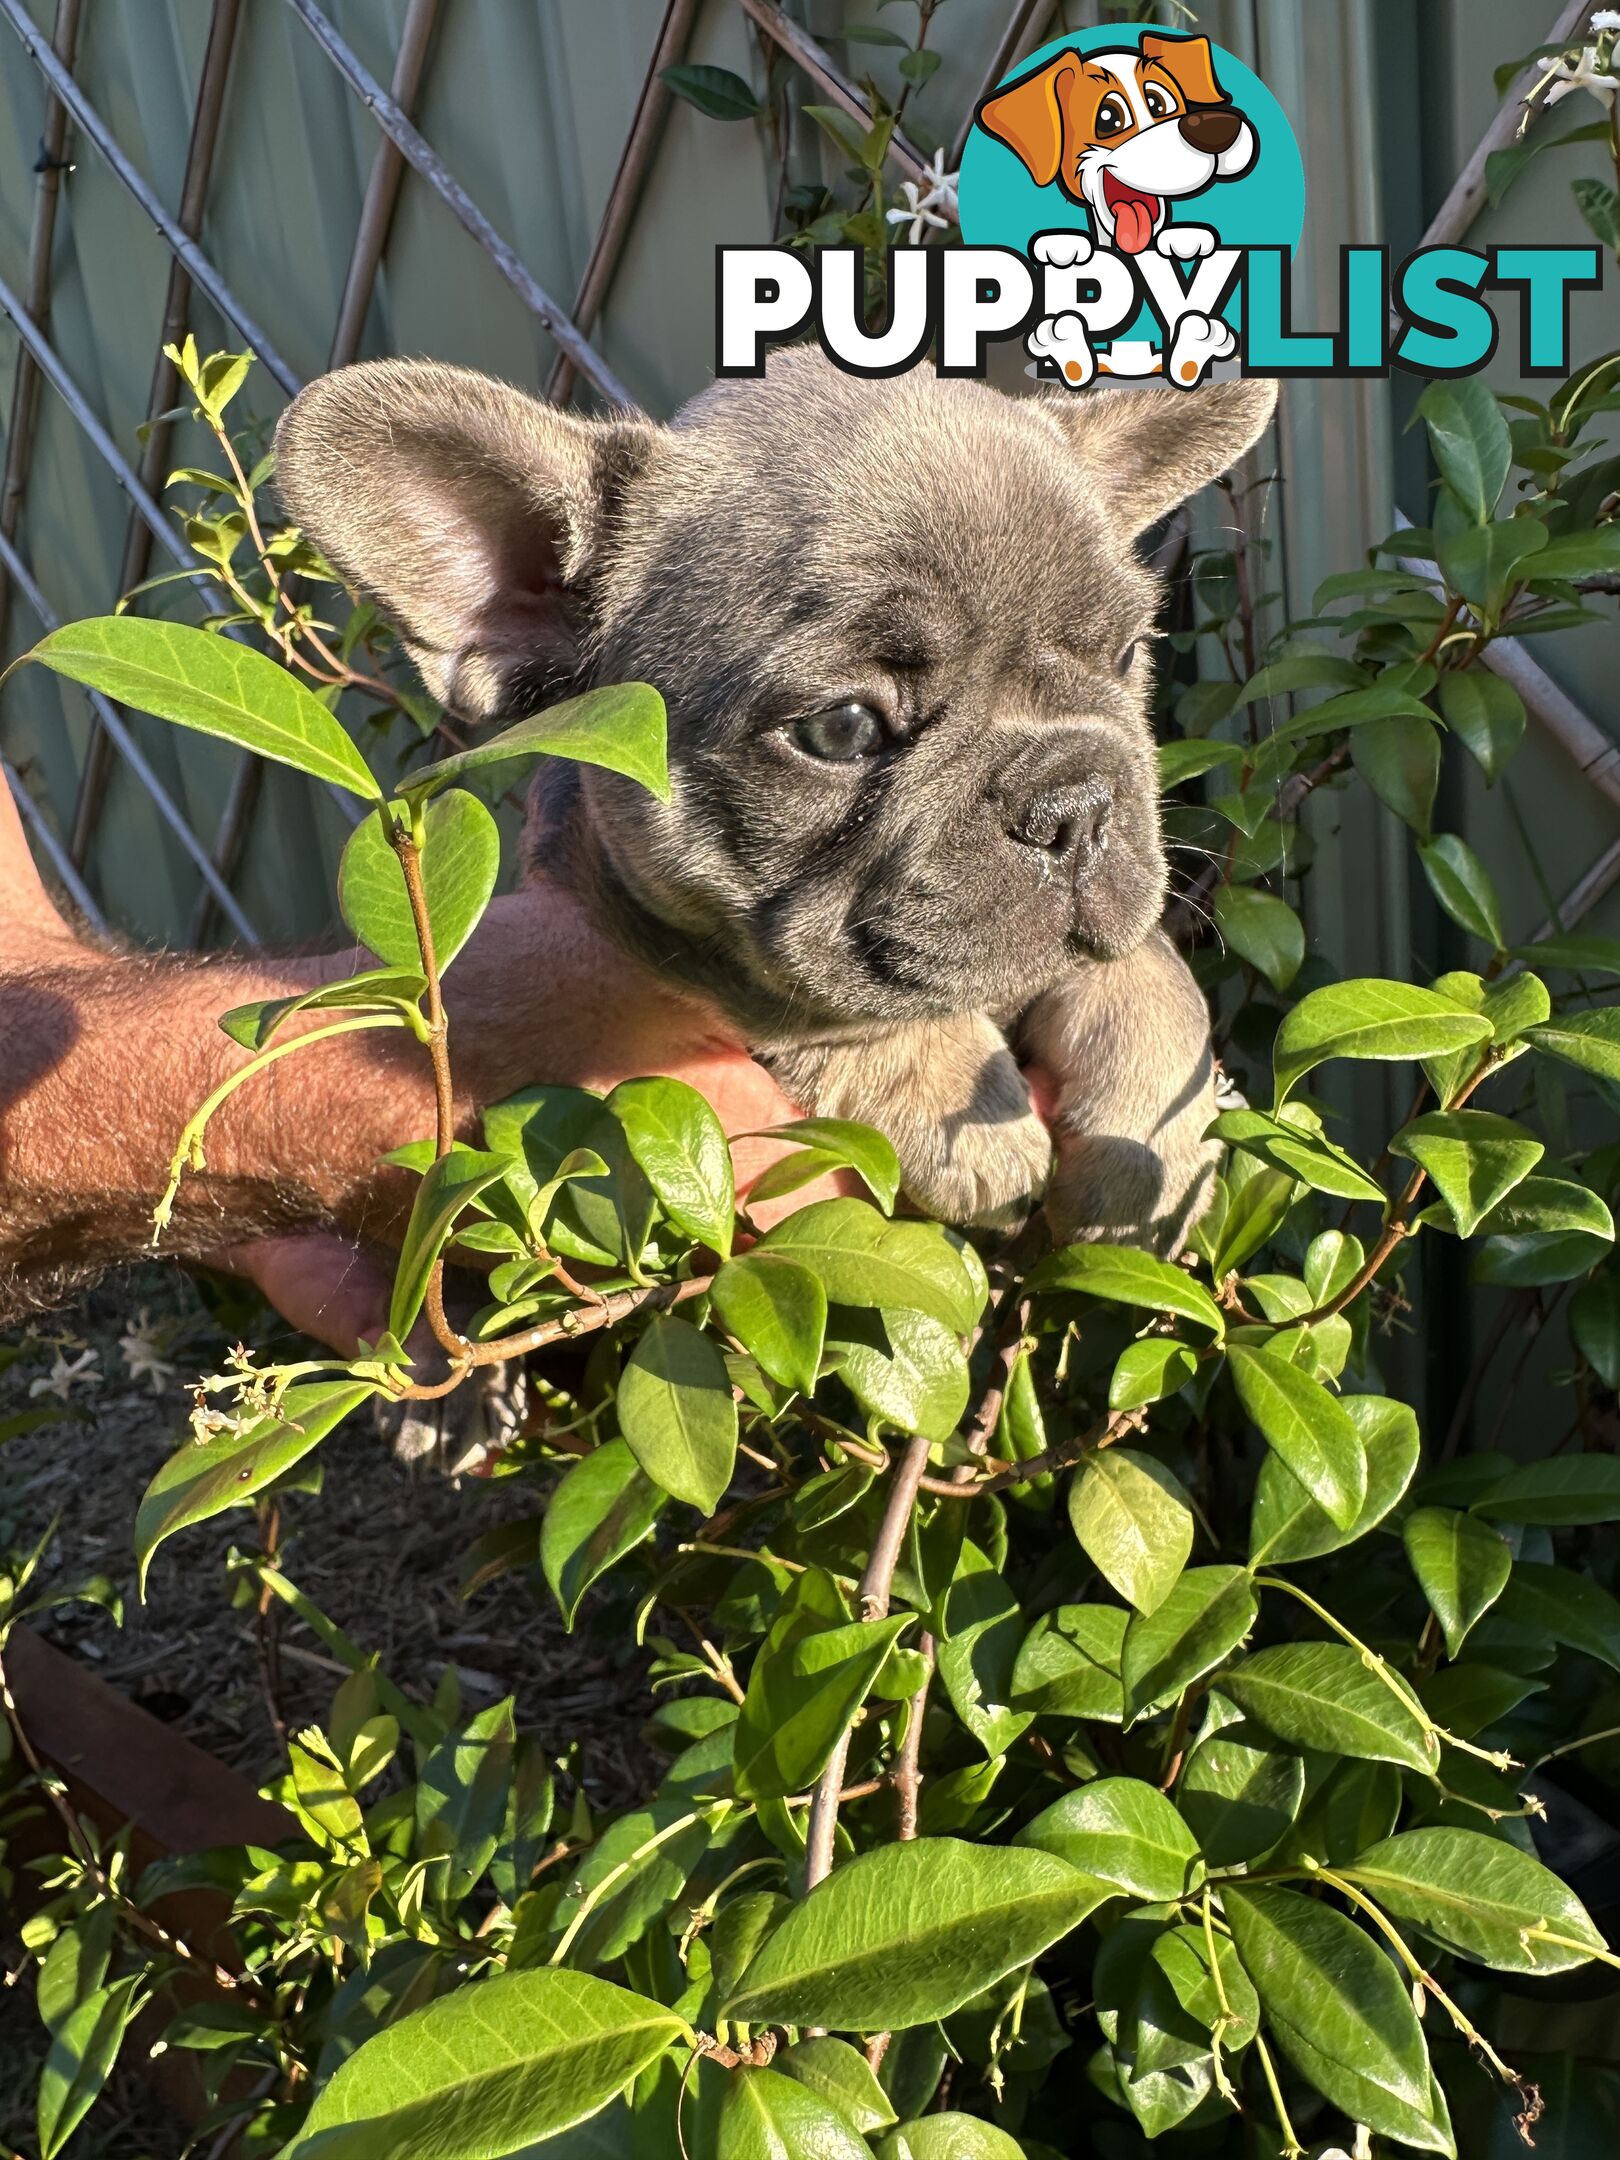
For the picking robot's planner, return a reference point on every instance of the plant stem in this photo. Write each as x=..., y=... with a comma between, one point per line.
x=1292, y=2148
x=876, y=1585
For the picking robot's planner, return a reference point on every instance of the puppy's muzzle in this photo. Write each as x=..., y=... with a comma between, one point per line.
x=1211, y=128
x=1068, y=826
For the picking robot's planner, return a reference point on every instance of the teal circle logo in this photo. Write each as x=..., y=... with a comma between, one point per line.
x=1120, y=133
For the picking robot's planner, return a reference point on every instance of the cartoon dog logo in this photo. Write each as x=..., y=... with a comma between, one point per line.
x=1125, y=132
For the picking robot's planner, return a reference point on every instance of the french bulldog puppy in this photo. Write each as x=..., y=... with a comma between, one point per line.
x=901, y=630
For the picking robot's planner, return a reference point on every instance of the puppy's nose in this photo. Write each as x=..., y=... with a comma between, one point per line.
x=1068, y=824
x=1211, y=128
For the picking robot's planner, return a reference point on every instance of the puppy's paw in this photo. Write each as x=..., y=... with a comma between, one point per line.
x=1199, y=341
x=1186, y=243
x=1063, y=250
x=991, y=1175
x=1062, y=339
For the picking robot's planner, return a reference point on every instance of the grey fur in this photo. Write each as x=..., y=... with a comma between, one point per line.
x=960, y=561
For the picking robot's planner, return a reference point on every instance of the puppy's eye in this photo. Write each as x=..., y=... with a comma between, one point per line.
x=840, y=734
x=1113, y=116
x=1122, y=666
x=1158, y=100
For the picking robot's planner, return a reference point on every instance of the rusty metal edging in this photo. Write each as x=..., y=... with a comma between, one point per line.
x=206, y=114
x=424, y=159
x=651, y=107
x=382, y=188
x=95, y=130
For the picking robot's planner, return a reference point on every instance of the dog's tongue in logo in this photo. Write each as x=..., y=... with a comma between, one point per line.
x=1135, y=214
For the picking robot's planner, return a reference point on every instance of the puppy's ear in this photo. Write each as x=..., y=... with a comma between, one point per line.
x=1149, y=449
x=1028, y=118
x=1192, y=64
x=472, y=513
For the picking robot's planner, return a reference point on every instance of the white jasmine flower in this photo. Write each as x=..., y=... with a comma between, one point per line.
x=1606, y=19
x=1584, y=71
x=66, y=1374
x=143, y=1347
x=931, y=204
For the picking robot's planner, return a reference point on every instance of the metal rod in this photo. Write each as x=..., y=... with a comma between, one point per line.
x=651, y=107
x=41, y=238
x=117, y=732
x=1019, y=38
x=1466, y=196
x=52, y=849
x=419, y=154
x=95, y=129
x=1585, y=893
x=165, y=383
x=819, y=65
x=1581, y=738
x=382, y=189
x=72, y=396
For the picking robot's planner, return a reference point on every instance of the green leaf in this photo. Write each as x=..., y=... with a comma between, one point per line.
x=1369, y=1018
x=1599, y=204
x=1321, y=1695
x=1149, y=1370
x=1068, y=1664
x=1180, y=762
x=1540, y=1205
x=1287, y=1525
x=1125, y=1834
x=1127, y=1277
x=1569, y=1608
x=1134, y=1523
x=1458, y=880
x=448, y=1187
x=1468, y=433
x=1203, y=1620
x=677, y=1412
x=204, y=1480
x=602, y=1508
x=778, y=1312
x=629, y=1879
x=1238, y=1791
x=75, y=1966
x=620, y=727
x=545, y=1133
x=863, y=1259
x=1473, y=1158
x=1565, y=1491
x=487, y=2069
x=1462, y=1566
x=913, y=1376
x=948, y=2136
x=715, y=91
x=83, y=2050
x=1340, y=2012
x=210, y=683
x=1594, y=1326
x=461, y=858
x=374, y=990
x=1482, y=1898
x=1400, y=761
x=983, y=1633
x=1581, y=955
x=1485, y=714
x=461, y=1794
x=1263, y=930
x=1576, y=555
x=683, y=1152
x=842, y=1143
x=766, y=2116
x=803, y=1694
x=1300, y=1154
x=1355, y=709
x=1302, y=671
x=1590, y=1040
x=1308, y=1427
x=1482, y=561
x=842, y=2076
x=908, y=1934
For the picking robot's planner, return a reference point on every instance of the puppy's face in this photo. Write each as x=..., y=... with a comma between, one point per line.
x=899, y=626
